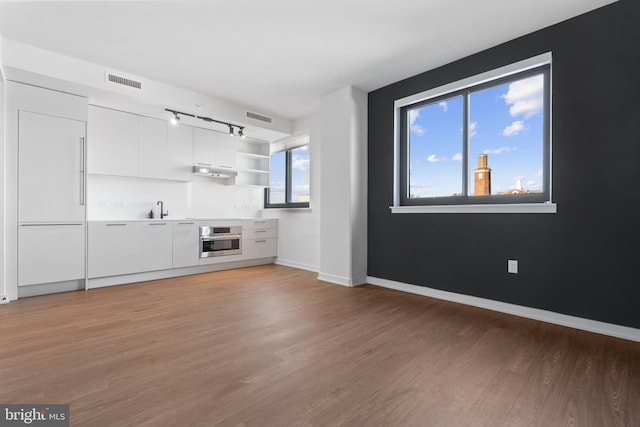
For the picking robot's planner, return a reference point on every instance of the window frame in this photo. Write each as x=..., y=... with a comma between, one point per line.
x=538, y=202
x=288, y=185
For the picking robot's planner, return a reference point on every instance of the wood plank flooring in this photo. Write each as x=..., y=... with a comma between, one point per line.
x=273, y=346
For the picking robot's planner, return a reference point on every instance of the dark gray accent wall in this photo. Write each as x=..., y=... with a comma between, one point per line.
x=585, y=259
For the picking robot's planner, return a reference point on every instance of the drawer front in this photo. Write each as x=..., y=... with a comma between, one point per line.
x=259, y=224
x=270, y=233
x=259, y=248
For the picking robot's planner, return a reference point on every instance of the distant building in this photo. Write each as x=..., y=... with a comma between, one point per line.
x=482, y=177
x=517, y=189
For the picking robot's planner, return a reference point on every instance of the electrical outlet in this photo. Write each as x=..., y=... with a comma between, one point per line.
x=512, y=266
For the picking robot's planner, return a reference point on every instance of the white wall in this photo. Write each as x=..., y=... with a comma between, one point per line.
x=113, y=198
x=343, y=215
x=299, y=229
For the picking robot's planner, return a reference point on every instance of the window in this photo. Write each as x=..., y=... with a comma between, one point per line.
x=288, y=179
x=481, y=141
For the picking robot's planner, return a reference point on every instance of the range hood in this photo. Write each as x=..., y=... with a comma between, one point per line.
x=214, y=172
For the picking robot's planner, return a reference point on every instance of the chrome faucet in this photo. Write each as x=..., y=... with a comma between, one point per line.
x=162, y=212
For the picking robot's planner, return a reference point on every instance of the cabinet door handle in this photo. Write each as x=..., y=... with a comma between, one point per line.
x=260, y=231
x=82, y=168
x=158, y=223
x=185, y=223
x=204, y=164
x=261, y=241
x=115, y=225
x=259, y=222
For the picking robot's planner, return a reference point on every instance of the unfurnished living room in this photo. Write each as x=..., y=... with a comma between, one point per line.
x=319, y=213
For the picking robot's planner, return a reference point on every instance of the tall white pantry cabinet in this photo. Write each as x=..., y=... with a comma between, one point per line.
x=50, y=195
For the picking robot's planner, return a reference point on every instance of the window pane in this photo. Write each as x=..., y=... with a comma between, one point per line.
x=277, y=169
x=506, y=124
x=435, y=149
x=300, y=174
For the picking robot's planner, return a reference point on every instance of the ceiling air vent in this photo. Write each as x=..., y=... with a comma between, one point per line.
x=258, y=117
x=113, y=78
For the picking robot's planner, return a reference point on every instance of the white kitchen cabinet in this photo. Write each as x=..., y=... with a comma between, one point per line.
x=114, y=248
x=259, y=248
x=112, y=138
x=50, y=168
x=203, y=147
x=225, y=151
x=259, y=238
x=259, y=224
x=186, y=244
x=157, y=252
x=180, y=160
x=50, y=253
x=153, y=148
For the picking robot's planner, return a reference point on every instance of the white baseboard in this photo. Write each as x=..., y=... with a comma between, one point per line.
x=610, y=329
x=338, y=280
x=299, y=265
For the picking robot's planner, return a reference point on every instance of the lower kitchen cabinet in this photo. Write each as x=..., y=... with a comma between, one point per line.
x=259, y=238
x=115, y=248
x=259, y=248
x=186, y=242
x=157, y=253
x=49, y=253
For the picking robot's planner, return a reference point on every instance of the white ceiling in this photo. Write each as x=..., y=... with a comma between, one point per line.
x=278, y=56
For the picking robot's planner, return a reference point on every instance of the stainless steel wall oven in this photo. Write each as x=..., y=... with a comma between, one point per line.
x=220, y=241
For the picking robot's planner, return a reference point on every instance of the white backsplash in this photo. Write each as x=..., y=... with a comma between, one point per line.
x=122, y=198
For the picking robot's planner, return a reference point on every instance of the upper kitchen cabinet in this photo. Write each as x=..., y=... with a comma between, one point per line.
x=180, y=159
x=214, y=149
x=153, y=148
x=126, y=144
x=203, y=147
x=112, y=142
x=225, y=151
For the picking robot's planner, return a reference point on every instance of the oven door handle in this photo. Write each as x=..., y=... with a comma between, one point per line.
x=225, y=237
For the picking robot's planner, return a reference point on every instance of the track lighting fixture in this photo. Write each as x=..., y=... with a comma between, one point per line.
x=175, y=119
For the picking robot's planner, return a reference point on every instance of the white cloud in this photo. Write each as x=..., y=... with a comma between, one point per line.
x=473, y=129
x=500, y=150
x=457, y=157
x=417, y=129
x=514, y=128
x=300, y=163
x=525, y=97
x=434, y=159
x=444, y=106
x=301, y=189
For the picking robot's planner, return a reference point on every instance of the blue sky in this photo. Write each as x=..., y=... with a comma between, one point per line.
x=299, y=172
x=505, y=122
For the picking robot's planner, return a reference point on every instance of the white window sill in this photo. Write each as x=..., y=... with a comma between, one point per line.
x=506, y=208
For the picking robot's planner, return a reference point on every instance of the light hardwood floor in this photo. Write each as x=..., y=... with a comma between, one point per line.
x=273, y=346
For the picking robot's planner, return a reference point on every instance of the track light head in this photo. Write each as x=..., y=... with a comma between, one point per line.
x=175, y=119
x=230, y=130
x=241, y=133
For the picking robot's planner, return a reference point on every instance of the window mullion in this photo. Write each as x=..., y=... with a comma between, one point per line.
x=288, y=192
x=465, y=144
